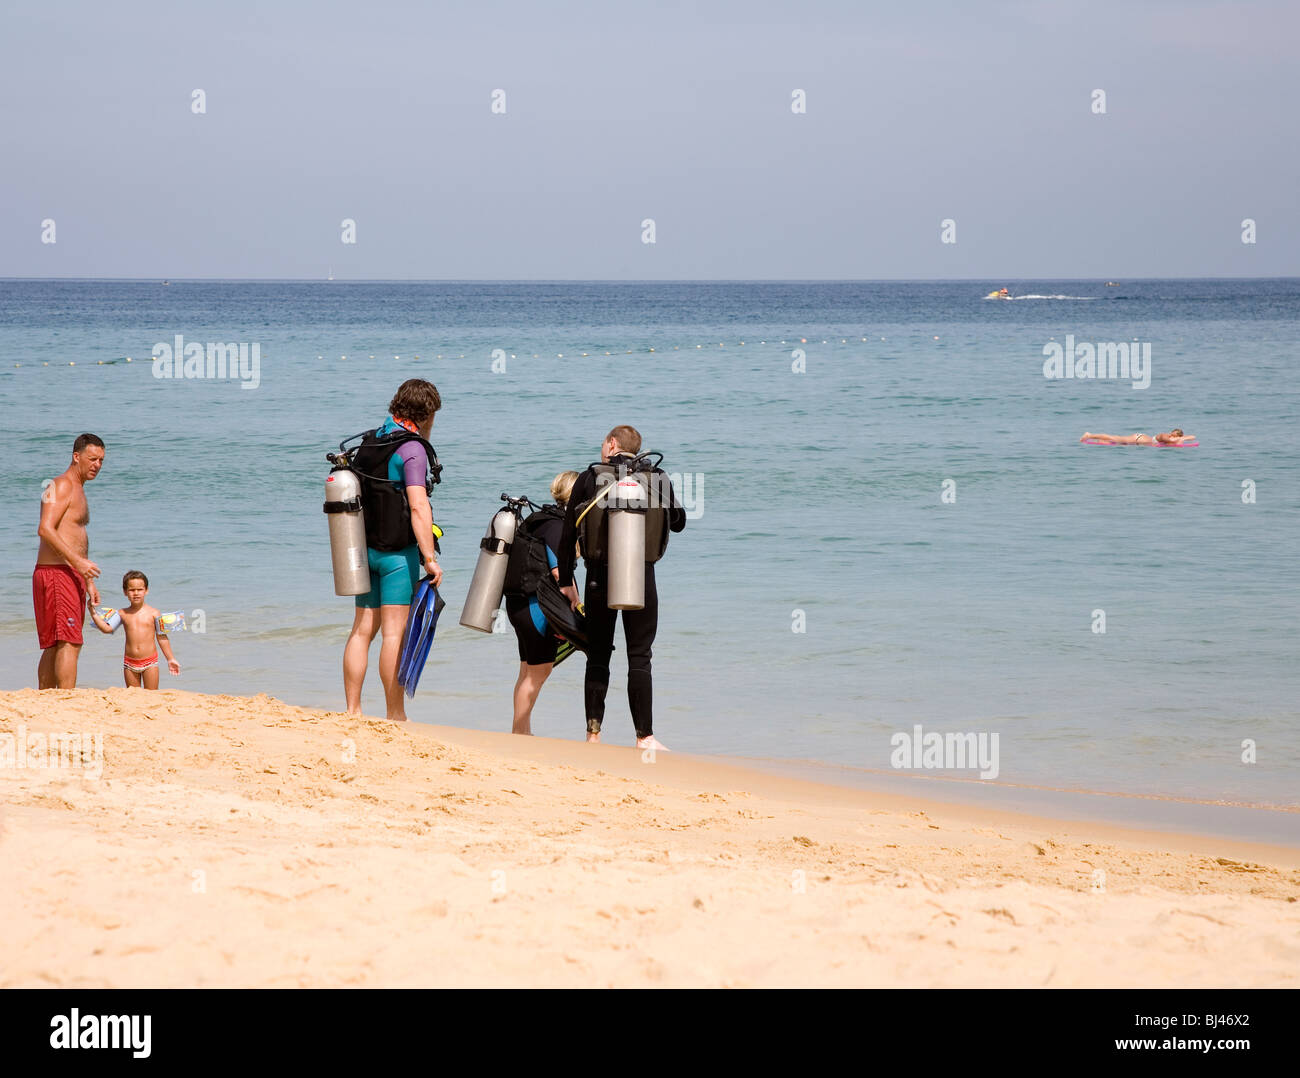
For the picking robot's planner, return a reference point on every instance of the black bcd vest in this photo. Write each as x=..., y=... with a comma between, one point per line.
x=528, y=562
x=384, y=507
x=593, y=532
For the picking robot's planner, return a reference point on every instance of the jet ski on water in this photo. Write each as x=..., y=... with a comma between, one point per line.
x=1000, y=293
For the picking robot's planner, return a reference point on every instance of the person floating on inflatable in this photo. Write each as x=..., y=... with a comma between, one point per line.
x=1172, y=437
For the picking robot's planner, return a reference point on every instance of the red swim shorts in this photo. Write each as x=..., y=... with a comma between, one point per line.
x=59, y=596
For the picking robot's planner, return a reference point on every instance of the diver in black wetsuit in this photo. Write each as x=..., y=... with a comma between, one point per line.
x=619, y=450
x=537, y=643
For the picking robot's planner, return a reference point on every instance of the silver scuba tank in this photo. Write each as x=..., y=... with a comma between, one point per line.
x=347, y=531
x=489, y=580
x=626, y=513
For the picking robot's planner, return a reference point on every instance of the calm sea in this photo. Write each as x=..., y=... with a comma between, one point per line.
x=895, y=523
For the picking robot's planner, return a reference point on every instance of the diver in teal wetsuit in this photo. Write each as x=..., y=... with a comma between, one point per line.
x=399, y=537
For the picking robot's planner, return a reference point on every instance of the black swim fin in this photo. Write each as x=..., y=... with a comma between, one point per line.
x=564, y=621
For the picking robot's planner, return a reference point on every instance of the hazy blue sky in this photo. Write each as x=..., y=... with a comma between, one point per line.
x=618, y=111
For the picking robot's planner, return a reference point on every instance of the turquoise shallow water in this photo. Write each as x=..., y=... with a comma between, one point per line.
x=821, y=503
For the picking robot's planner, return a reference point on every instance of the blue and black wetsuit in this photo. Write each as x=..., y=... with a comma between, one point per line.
x=537, y=643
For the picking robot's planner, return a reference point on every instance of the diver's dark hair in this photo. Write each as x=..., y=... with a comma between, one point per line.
x=134, y=574
x=628, y=438
x=415, y=400
x=84, y=440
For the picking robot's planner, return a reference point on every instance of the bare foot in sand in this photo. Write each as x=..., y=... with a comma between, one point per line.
x=652, y=742
x=593, y=739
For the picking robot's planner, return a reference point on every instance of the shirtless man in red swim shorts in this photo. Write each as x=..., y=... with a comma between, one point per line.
x=64, y=574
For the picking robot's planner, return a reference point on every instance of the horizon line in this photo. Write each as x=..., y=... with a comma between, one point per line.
x=635, y=280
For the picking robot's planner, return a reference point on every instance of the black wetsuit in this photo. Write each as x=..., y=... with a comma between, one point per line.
x=639, y=626
x=536, y=645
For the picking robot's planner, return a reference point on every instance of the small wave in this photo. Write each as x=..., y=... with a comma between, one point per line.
x=289, y=633
x=1056, y=297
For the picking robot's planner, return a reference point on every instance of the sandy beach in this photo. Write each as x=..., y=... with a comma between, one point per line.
x=235, y=841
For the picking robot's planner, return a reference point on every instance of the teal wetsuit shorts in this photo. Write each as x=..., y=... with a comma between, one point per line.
x=394, y=576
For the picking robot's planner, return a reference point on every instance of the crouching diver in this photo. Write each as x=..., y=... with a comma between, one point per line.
x=587, y=520
x=535, y=552
x=398, y=469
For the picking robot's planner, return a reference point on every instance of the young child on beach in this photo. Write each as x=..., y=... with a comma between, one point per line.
x=143, y=637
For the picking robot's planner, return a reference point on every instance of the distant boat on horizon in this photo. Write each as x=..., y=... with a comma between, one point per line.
x=1112, y=284
x=331, y=274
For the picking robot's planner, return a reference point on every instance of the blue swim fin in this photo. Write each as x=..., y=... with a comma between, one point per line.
x=417, y=638
x=410, y=633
